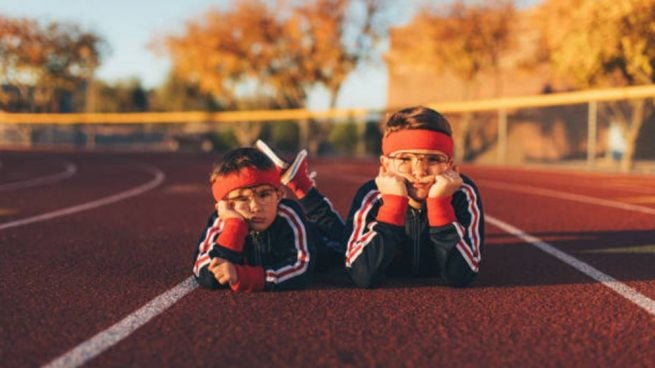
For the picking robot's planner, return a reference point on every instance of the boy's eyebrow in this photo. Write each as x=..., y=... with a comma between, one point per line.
x=245, y=192
x=409, y=154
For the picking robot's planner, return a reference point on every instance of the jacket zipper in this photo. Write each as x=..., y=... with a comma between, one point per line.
x=416, y=239
x=258, y=249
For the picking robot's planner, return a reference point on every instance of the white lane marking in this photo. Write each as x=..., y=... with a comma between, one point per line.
x=637, y=249
x=69, y=170
x=564, y=195
x=620, y=288
x=159, y=178
x=103, y=340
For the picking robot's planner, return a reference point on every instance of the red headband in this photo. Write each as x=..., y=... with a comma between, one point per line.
x=246, y=177
x=411, y=139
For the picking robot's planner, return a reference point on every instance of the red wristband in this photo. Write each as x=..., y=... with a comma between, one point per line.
x=234, y=234
x=251, y=278
x=393, y=210
x=440, y=211
x=300, y=185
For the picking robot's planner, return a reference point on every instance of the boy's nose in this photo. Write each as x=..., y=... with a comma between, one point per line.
x=254, y=205
x=420, y=167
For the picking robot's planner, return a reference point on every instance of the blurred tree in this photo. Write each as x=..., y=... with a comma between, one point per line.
x=279, y=51
x=46, y=64
x=122, y=96
x=258, y=55
x=464, y=39
x=469, y=39
x=604, y=43
x=344, y=137
x=176, y=94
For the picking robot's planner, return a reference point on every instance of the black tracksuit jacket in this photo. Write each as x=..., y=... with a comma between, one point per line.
x=285, y=250
x=288, y=250
x=452, y=251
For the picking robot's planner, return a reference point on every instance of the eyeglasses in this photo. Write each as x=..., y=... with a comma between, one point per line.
x=404, y=162
x=264, y=196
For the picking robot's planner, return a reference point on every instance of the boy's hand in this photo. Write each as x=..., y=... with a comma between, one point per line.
x=224, y=271
x=226, y=210
x=389, y=183
x=446, y=183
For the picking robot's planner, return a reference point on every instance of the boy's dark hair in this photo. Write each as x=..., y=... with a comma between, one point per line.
x=417, y=117
x=238, y=158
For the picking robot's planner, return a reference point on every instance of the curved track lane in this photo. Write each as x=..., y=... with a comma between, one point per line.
x=527, y=308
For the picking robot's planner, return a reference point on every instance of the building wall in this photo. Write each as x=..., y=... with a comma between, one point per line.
x=545, y=134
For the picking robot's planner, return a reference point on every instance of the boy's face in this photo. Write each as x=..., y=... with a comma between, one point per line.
x=418, y=168
x=257, y=205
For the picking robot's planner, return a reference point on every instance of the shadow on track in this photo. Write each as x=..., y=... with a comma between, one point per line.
x=626, y=255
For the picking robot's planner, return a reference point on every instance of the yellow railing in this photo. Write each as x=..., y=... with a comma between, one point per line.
x=501, y=105
x=555, y=99
x=178, y=117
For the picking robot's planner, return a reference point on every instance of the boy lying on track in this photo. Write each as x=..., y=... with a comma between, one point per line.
x=419, y=216
x=256, y=239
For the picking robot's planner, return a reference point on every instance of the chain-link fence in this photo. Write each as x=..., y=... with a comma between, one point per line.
x=595, y=128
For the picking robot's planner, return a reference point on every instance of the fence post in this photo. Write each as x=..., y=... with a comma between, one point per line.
x=360, y=123
x=502, y=137
x=90, y=130
x=303, y=134
x=591, y=133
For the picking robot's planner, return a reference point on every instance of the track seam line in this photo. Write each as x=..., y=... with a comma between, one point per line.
x=107, y=338
x=103, y=340
x=159, y=178
x=565, y=195
x=70, y=170
x=620, y=288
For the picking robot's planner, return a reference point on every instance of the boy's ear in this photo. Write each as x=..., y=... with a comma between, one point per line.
x=384, y=161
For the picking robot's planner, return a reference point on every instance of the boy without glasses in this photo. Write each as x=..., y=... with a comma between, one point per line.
x=420, y=216
x=255, y=240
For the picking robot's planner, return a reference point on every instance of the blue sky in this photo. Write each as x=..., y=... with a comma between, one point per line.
x=128, y=26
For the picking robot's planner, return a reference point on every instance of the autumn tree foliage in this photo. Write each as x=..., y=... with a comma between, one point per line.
x=259, y=54
x=43, y=63
x=604, y=43
x=465, y=39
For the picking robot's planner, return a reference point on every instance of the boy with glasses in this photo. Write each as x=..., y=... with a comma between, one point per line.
x=420, y=216
x=320, y=213
x=255, y=240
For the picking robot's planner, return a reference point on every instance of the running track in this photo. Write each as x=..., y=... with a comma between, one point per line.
x=95, y=260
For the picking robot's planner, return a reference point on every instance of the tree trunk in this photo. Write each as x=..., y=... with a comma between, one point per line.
x=90, y=95
x=247, y=132
x=627, y=161
x=460, y=136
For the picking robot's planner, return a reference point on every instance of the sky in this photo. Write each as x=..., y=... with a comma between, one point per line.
x=129, y=25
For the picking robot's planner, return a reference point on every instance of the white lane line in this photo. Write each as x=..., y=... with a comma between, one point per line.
x=564, y=195
x=620, y=288
x=69, y=170
x=102, y=341
x=158, y=179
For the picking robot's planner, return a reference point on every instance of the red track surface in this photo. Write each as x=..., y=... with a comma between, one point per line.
x=68, y=278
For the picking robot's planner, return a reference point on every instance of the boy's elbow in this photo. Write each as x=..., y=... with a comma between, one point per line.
x=207, y=282
x=457, y=272
x=363, y=280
